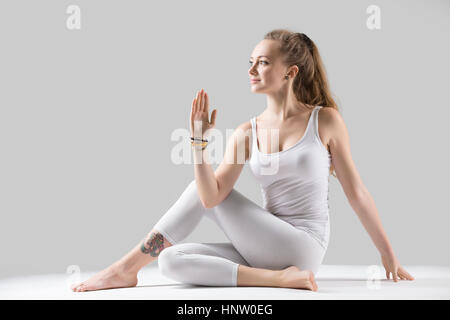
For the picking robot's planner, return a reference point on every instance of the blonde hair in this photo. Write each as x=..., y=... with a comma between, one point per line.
x=310, y=83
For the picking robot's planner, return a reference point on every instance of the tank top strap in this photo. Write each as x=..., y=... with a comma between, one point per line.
x=315, y=121
x=253, y=140
x=314, y=116
x=311, y=127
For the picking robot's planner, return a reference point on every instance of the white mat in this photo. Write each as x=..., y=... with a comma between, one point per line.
x=334, y=282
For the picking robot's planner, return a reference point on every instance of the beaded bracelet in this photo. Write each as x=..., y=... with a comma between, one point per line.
x=198, y=139
x=204, y=142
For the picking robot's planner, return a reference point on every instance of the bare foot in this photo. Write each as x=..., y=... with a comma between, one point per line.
x=293, y=277
x=111, y=277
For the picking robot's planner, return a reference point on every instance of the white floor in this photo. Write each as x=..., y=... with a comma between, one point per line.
x=334, y=282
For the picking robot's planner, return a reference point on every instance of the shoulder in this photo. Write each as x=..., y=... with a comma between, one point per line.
x=331, y=123
x=329, y=115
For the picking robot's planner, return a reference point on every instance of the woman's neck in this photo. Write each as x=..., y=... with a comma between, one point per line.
x=281, y=107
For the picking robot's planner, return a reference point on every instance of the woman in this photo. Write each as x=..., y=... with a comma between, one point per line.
x=282, y=244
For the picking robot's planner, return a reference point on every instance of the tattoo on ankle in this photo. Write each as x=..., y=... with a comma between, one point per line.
x=154, y=245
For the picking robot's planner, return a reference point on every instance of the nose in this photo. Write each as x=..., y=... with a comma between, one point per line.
x=251, y=71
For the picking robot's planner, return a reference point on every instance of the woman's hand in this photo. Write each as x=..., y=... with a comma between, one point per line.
x=200, y=115
x=392, y=265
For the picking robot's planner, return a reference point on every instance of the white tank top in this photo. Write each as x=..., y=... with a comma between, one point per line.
x=294, y=182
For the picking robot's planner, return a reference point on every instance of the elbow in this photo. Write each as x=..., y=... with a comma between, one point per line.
x=214, y=202
x=208, y=200
x=208, y=205
x=205, y=204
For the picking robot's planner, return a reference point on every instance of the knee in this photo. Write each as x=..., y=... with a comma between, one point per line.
x=192, y=190
x=169, y=262
x=192, y=186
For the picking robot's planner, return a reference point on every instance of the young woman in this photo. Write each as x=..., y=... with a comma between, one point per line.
x=281, y=244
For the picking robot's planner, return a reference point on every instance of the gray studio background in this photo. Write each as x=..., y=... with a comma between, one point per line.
x=86, y=118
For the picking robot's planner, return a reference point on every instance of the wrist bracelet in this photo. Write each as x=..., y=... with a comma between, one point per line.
x=198, y=139
x=199, y=144
x=194, y=147
x=196, y=144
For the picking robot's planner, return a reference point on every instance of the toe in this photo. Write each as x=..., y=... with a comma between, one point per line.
x=313, y=281
x=87, y=288
x=74, y=286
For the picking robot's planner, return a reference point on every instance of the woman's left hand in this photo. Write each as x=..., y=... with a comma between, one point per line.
x=392, y=265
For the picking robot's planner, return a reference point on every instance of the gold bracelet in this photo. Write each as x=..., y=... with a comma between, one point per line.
x=199, y=144
x=203, y=145
x=196, y=147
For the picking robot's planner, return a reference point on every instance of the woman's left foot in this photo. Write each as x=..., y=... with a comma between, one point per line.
x=109, y=278
x=293, y=277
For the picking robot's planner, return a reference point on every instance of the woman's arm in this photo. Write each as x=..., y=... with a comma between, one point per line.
x=364, y=205
x=214, y=187
x=356, y=192
x=347, y=174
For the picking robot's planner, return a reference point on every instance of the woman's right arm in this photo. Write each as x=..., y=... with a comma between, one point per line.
x=214, y=187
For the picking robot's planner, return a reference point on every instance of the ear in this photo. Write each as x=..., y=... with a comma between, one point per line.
x=293, y=70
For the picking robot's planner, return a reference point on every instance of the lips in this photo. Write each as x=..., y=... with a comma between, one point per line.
x=254, y=80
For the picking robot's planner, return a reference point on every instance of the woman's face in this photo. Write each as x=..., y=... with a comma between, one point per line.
x=267, y=67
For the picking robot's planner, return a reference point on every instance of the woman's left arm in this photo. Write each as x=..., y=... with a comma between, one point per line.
x=357, y=194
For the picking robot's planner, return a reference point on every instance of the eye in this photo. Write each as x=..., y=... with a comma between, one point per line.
x=251, y=62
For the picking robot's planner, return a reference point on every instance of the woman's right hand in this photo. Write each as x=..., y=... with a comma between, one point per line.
x=200, y=123
x=392, y=266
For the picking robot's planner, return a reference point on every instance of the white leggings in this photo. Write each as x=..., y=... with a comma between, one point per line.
x=258, y=239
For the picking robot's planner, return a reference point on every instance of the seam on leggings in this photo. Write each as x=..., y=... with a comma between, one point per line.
x=166, y=235
x=234, y=275
x=314, y=236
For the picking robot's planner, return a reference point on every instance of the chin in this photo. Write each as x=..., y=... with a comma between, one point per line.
x=255, y=89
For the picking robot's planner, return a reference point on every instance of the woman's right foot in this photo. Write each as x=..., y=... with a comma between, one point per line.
x=293, y=277
x=111, y=277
